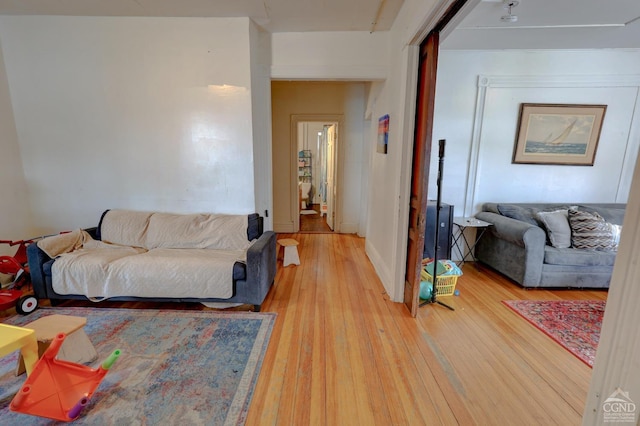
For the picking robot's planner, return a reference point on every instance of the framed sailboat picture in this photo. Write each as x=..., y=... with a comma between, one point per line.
x=558, y=134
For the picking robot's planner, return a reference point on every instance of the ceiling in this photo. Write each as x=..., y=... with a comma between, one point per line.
x=549, y=24
x=541, y=24
x=272, y=15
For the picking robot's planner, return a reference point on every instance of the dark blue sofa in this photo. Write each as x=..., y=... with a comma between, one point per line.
x=251, y=280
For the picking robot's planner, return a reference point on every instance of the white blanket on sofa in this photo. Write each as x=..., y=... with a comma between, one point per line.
x=127, y=271
x=163, y=256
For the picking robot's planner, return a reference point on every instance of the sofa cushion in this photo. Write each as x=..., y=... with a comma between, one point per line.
x=524, y=214
x=124, y=227
x=609, y=214
x=161, y=272
x=118, y=232
x=202, y=231
x=46, y=267
x=253, y=227
x=590, y=231
x=577, y=257
x=557, y=225
x=239, y=270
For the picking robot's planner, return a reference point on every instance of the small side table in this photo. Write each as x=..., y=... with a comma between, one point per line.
x=290, y=251
x=462, y=223
x=76, y=347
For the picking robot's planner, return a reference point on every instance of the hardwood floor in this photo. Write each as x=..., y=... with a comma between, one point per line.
x=314, y=222
x=342, y=353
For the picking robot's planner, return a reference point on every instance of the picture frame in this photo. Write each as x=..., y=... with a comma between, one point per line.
x=562, y=134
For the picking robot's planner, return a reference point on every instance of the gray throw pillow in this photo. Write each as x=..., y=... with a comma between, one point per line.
x=557, y=225
x=523, y=214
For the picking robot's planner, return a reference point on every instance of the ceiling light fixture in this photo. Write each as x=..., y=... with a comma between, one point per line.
x=508, y=5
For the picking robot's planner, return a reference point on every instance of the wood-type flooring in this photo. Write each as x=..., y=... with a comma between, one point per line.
x=342, y=353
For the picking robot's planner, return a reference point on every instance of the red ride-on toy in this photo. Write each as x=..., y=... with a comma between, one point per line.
x=17, y=266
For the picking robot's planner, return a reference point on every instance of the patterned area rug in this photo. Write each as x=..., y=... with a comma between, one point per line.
x=575, y=324
x=176, y=367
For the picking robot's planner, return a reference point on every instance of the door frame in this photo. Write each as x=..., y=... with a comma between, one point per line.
x=422, y=141
x=293, y=151
x=410, y=287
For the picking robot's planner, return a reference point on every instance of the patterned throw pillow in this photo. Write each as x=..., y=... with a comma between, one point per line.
x=590, y=231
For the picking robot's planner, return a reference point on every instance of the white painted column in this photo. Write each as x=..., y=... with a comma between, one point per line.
x=617, y=365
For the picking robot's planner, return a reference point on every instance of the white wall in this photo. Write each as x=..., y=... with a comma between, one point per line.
x=390, y=173
x=353, y=161
x=353, y=55
x=261, y=122
x=15, y=217
x=384, y=188
x=480, y=135
x=365, y=156
x=141, y=113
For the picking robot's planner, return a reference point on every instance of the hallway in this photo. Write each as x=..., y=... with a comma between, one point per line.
x=314, y=223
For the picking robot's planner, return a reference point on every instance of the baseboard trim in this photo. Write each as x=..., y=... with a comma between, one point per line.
x=383, y=273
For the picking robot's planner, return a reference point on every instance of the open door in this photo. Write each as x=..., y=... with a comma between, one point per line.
x=420, y=168
x=331, y=176
x=425, y=101
x=320, y=135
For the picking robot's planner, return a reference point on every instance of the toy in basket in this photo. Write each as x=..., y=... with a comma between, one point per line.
x=448, y=273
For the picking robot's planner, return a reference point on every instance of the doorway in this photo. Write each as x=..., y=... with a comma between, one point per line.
x=425, y=102
x=316, y=163
x=326, y=102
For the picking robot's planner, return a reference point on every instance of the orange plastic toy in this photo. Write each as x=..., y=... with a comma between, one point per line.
x=59, y=389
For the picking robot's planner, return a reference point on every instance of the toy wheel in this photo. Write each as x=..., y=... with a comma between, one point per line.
x=26, y=305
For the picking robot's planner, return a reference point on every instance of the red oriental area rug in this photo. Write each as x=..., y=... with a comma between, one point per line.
x=574, y=324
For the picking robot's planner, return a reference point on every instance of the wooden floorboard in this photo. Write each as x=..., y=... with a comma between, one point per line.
x=314, y=223
x=341, y=353
x=345, y=354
